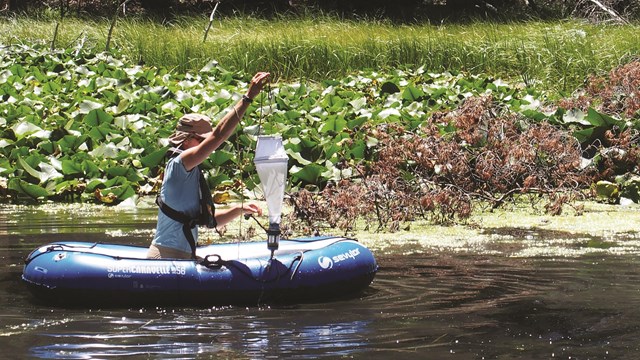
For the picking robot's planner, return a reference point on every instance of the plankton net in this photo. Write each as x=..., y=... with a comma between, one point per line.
x=271, y=164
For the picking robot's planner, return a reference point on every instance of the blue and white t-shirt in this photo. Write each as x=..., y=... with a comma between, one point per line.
x=181, y=191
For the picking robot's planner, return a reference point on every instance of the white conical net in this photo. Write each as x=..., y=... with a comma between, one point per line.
x=271, y=165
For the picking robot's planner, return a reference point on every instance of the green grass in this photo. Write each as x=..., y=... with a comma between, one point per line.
x=557, y=56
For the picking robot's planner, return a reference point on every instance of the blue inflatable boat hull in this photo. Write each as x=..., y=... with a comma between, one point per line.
x=306, y=269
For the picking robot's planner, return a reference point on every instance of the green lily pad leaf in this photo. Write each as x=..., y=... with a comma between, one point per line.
x=629, y=187
x=86, y=106
x=334, y=124
x=358, y=149
x=47, y=147
x=90, y=169
x=70, y=168
x=216, y=180
x=69, y=186
x=25, y=128
x=385, y=113
x=310, y=173
x=292, y=115
x=31, y=171
x=538, y=116
x=584, y=135
x=116, y=181
x=52, y=87
x=69, y=143
x=127, y=96
x=213, y=64
x=352, y=124
x=601, y=120
x=117, y=171
x=111, y=96
x=115, y=194
x=5, y=167
x=358, y=103
x=123, y=104
x=219, y=157
x=135, y=122
x=333, y=103
x=155, y=158
x=334, y=173
x=97, y=117
x=330, y=150
x=18, y=70
x=25, y=188
x=19, y=151
x=412, y=93
x=48, y=172
x=307, y=142
x=95, y=184
x=297, y=157
x=98, y=133
x=575, y=116
x=125, y=172
x=107, y=151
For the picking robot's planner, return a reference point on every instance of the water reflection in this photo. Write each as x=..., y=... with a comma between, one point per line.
x=426, y=302
x=189, y=332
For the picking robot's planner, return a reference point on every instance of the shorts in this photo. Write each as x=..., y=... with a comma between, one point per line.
x=162, y=252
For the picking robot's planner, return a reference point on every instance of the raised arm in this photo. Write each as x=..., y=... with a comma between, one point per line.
x=194, y=156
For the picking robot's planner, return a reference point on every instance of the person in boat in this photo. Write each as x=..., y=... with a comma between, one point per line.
x=193, y=141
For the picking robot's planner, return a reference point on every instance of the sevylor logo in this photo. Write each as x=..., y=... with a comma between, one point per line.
x=327, y=262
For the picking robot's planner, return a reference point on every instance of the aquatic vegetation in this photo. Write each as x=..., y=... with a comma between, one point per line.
x=392, y=146
x=604, y=118
x=477, y=153
x=489, y=149
x=79, y=125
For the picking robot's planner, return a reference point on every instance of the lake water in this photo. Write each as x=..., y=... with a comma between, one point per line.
x=426, y=302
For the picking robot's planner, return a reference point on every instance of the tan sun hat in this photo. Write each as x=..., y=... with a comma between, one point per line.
x=190, y=124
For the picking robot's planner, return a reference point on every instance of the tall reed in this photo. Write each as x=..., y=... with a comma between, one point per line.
x=556, y=55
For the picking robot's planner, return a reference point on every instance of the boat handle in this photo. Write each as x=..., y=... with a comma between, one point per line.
x=212, y=264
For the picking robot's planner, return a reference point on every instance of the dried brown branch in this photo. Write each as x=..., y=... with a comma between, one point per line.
x=492, y=156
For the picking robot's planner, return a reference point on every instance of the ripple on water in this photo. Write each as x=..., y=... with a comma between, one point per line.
x=508, y=293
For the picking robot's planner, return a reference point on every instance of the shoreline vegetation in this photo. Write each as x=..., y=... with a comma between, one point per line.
x=557, y=56
x=516, y=231
x=384, y=123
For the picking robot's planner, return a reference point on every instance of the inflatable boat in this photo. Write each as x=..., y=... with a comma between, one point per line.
x=300, y=270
